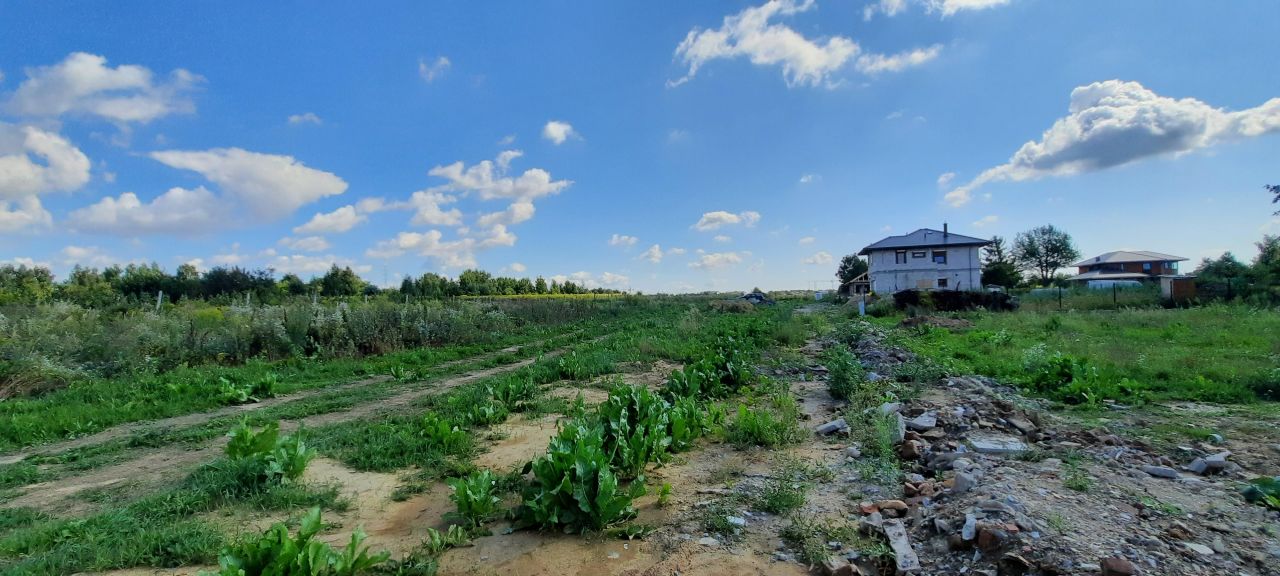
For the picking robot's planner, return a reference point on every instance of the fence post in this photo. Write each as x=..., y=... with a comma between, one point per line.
x=1114, y=297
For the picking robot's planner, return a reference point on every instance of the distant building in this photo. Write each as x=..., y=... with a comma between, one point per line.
x=1127, y=265
x=923, y=260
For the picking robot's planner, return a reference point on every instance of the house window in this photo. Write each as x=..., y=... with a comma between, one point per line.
x=1146, y=266
x=942, y=282
x=900, y=257
x=917, y=254
x=939, y=256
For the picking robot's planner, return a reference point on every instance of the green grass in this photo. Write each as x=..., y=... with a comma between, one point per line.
x=1215, y=353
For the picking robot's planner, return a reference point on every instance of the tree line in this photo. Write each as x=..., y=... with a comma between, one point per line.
x=93, y=287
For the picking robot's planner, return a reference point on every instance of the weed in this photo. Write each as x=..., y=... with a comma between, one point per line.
x=1075, y=477
x=1058, y=522
x=516, y=393
x=781, y=495
x=664, y=495
x=573, y=485
x=276, y=553
x=267, y=457
x=774, y=425
x=635, y=429
x=844, y=373
x=475, y=497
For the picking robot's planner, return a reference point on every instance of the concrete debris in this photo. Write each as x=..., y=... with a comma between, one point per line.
x=837, y=425
x=1161, y=472
x=997, y=445
x=923, y=422
x=906, y=558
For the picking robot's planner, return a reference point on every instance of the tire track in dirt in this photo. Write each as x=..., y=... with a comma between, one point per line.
x=154, y=467
x=187, y=420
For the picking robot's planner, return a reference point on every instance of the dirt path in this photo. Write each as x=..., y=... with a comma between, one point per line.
x=154, y=467
x=194, y=419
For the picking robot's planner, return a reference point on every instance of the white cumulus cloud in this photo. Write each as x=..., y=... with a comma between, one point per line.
x=34, y=161
x=340, y=220
x=83, y=84
x=753, y=34
x=430, y=70
x=623, y=240
x=558, y=131
x=23, y=214
x=943, y=7
x=305, y=243
x=270, y=185
x=653, y=254
x=720, y=218
x=723, y=239
x=821, y=258
x=877, y=63
x=716, y=260
x=305, y=118
x=807, y=240
x=178, y=211
x=986, y=221
x=1112, y=123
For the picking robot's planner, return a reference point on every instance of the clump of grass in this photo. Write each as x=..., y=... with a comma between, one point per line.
x=774, y=424
x=781, y=495
x=1075, y=477
x=844, y=374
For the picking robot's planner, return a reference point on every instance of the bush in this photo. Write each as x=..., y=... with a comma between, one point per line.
x=573, y=486
x=844, y=373
x=443, y=435
x=275, y=553
x=954, y=300
x=475, y=497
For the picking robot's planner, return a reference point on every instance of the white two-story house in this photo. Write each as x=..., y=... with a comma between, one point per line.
x=925, y=259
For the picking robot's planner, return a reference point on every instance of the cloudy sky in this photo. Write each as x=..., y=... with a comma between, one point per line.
x=662, y=147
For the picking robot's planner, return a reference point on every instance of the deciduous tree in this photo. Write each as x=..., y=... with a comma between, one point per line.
x=1043, y=250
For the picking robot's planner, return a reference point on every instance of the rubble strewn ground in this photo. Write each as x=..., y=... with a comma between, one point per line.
x=995, y=485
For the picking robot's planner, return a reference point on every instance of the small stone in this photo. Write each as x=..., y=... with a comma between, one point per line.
x=853, y=452
x=923, y=422
x=961, y=464
x=1217, y=462
x=909, y=450
x=614, y=555
x=708, y=541
x=891, y=505
x=838, y=567
x=1215, y=439
x=970, y=529
x=736, y=521
x=1200, y=549
x=1117, y=566
x=964, y=482
x=1022, y=425
x=997, y=445
x=899, y=429
x=868, y=508
x=1161, y=472
x=1197, y=466
x=890, y=407
x=837, y=425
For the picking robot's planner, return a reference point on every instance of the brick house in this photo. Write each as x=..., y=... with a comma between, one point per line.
x=1127, y=265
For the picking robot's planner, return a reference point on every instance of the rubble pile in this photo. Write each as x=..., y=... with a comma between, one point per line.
x=993, y=486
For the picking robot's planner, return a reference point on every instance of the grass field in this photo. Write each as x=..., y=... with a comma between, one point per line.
x=1220, y=353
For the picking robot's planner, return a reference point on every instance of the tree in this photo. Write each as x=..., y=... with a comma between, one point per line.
x=341, y=282
x=292, y=285
x=998, y=267
x=1043, y=250
x=540, y=285
x=851, y=267
x=1224, y=269
x=25, y=284
x=1274, y=189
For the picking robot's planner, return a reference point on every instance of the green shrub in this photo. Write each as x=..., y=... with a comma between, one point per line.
x=844, y=373
x=475, y=497
x=734, y=362
x=573, y=486
x=696, y=380
x=775, y=425
x=486, y=414
x=268, y=457
x=635, y=429
x=276, y=553
x=233, y=392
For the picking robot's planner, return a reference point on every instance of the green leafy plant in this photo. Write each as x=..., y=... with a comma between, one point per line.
x=449, y=438
x=233, y=392
x=688, y=420
x=573, y=486
x=844, y=373
x=475, y=497
x=402, y=374
x=1264, y=491
x=664, y=494
x=515, y=393
x=267, y=456
x=276, y=553
x=696, y=380
x=635, y=429
x=487, y=414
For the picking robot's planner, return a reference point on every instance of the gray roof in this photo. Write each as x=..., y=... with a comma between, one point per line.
x=924, y=238
x=1122, y=256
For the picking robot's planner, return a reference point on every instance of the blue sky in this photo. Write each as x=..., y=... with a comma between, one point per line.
x=667, y=146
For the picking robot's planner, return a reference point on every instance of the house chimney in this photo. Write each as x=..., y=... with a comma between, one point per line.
x=944, y=231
